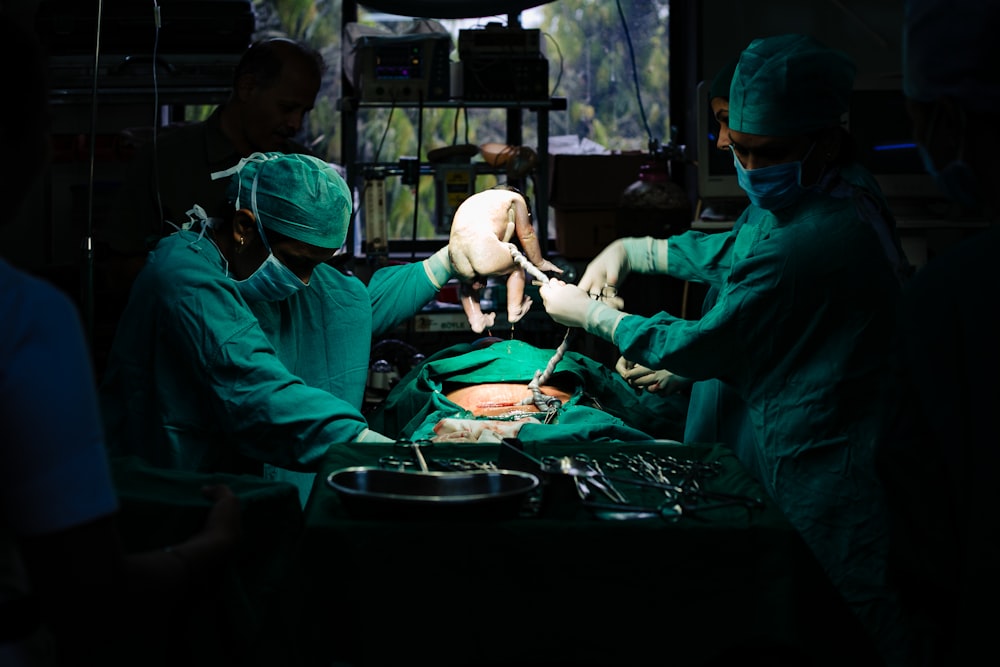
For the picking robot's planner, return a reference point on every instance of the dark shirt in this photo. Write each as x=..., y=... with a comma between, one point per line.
x=181, y=162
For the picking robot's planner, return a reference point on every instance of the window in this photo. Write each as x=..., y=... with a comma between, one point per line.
x=596, y=51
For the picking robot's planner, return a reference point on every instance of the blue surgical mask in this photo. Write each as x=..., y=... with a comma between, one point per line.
x=272, y=281
x=774, y=187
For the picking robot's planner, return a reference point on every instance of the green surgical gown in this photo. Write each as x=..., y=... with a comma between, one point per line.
x=601, y=406
x=199, y=380
x=801, y=328
x=716, y=412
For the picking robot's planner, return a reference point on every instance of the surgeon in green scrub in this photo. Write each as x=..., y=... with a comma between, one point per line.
x=807, y=283
x=716, y=412
x=241, y=349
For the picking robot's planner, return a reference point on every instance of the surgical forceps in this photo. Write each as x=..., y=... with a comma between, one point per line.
x=680, y=479
x=586, y=474
x=647, y=463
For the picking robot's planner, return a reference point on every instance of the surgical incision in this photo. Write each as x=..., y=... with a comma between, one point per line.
x=498, y=399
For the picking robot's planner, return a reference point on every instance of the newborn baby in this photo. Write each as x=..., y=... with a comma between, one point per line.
x=479, y=246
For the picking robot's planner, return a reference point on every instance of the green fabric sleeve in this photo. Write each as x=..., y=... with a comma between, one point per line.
x=646, y=254
x=398, y=293
x=438, y=267
x=701, y=257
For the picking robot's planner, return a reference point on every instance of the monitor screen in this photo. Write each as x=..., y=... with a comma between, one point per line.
x=879, y=125
x=883, y=134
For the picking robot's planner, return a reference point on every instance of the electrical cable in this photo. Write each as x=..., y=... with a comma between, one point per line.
x=416, y=184
x=464, y=112
x=635, y=72
x=864, y=26
x=87, y=289
x=555, y=86
x=385, y=132
x=156, y=114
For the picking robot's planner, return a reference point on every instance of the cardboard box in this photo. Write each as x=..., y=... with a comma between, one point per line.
x=591, y=181
x=584, y=193
x=581, y=234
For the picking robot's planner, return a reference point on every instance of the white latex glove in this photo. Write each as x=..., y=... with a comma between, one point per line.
x=609, y=269
x=571, y=306
x=605, y=271
x=566, y=304
x=640, y=377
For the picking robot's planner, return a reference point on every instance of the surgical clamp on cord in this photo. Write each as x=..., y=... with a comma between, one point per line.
x=549, y=405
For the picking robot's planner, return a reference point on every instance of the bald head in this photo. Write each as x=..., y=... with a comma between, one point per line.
x=276, y=85
x=266, y=60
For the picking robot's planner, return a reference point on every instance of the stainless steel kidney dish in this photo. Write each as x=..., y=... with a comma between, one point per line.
x=373, y=493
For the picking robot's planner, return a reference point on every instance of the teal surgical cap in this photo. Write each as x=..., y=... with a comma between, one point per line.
x=789, y=85
x=722, y=81
x=951, y=49
x=299, y=196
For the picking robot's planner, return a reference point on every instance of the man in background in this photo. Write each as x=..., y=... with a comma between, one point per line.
x=274, y=86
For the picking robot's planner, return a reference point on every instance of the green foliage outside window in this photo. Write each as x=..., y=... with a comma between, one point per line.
x=590, y=64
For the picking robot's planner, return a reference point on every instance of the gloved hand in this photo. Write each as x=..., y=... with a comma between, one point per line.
x=640, y=377
x=566, y=304
x=571, y=306
x=609, y=269
x=604, y=273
